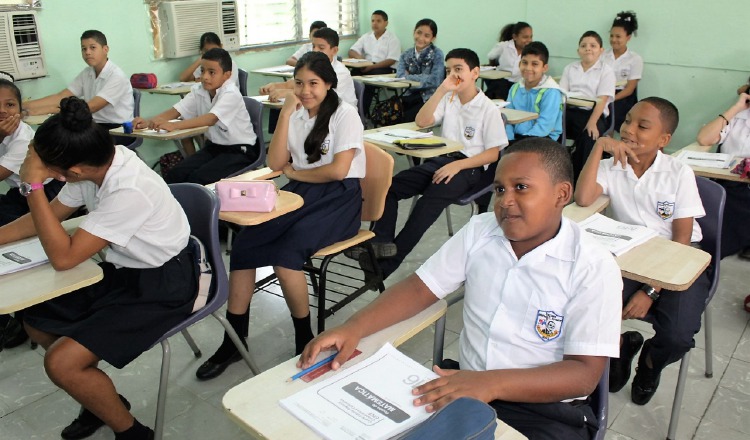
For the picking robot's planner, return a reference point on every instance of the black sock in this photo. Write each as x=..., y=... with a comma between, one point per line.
x=135, y=432
x=227, y=349
x=302, y=333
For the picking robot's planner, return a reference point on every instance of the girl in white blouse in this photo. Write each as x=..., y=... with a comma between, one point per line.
x=628, y=65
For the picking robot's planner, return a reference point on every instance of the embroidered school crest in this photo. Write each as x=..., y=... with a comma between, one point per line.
x=469, y=132
x=325, y=146
x=665, y=209
x=548, y=324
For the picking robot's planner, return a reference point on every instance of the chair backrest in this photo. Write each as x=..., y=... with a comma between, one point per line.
x=359, y=91
x=600, y=403
x=376, y=182
x=714, y=197
x=255, y=110
x=242, y=77
x=137, y=102
x=564, y=134
x=611, y=129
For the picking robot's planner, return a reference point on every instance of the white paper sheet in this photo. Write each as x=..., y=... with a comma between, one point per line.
x=20, y=256
x=705, y=159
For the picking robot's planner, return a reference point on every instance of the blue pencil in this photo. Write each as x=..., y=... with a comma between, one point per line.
x=313, y=367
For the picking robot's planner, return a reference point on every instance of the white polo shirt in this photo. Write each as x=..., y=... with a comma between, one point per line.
x=233, y=127
x=345, y=87
x=13, y=151
x=562, y=298
x=345, y=131
x=599, y=80
x=387, y=47
x=628, y=67
x=508, y=59
x=133, y=210
x=235, y=78
x=307, y=47
x=666, y=191
x=735, y=137
x=111, y=85
x=477, y=124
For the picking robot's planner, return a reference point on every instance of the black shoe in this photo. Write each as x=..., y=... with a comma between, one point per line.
x=210, y=369
x=645, y=383
x=86, y=424
x=619, y=369
x=382, y=250
x=15, y=334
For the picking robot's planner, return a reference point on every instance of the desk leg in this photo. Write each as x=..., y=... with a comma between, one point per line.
x=237, y=343
x=410, y=159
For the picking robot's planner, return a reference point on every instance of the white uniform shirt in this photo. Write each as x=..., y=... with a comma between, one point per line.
x=13, y=151
x=508, y=59
x=387, y=47
x=628, y=67
x=345, y=131
x=345, y=87
x=233, y=127
x=666, y=191
x=133, y=210
x=735, y=137
x=562, y=298
x=599, y=80
x=235, y=78
x=307, y=47
x=478, y=124
x=113, y=86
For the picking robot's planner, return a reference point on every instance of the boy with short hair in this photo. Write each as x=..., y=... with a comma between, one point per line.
x=541, y=304
x=231, y=143
x=649, y=188
x=307, y=47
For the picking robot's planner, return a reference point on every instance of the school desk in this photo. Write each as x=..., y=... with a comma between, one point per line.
x=175, y=135
x=353, y=63
x=285, y=202
x=618, y=84
x=578, y=213
x=180, y=89
x=263, y=99
x=283, y=71
x=36, y=119
x=711, y=173
x=450, y=145
x=493, y=74
x=399, y=86
x=517, y=116
x=581, y=102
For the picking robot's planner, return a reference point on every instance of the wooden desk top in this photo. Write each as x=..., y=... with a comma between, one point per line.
x=286, y=202
x=283, y=71
x=179, y=88
x=395, y=84
x=493, y=74
x=351, y=63
x=169, y=136
x=36, y=119
x=450, y=146
x=581, y=102
x=263, y=99
x=578, y=213
x=517, y=116
x=711, y=173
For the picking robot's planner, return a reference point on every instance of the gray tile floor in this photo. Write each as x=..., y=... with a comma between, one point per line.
x=32, y=408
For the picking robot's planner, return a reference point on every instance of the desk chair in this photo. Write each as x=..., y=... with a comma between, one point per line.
x=255, y=110
x=611, y=129
x=137, y=142
x=242, y=76
x=564, y=134
x=202, y=209
x=359, y=91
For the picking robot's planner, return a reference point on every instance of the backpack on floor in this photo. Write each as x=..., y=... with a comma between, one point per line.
x=388, y=112
x=168, y=161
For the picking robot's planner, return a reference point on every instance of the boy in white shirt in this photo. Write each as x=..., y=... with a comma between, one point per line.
x=307, y=47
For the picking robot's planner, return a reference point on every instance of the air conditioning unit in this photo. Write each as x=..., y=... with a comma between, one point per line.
x=183, y=22
x=20, y=45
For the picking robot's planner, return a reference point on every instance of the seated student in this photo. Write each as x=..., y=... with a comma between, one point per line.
x=231, y=143
x=323, y=137
x=472, y=119
x=307, y=47
x=208, y=41
x=591, y=78
x=150, y=275
x=536, y=92
x=628, y=65
x=506, y=55
x=541, y=305
x=423, y=63
x=649, y=188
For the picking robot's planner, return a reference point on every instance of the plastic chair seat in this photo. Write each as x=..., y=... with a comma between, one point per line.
x=362, y=236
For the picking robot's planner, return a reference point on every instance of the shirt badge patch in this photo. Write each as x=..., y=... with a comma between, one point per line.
x=469, y=132
x=665, y=209
x=548, y=325
x=325, y=146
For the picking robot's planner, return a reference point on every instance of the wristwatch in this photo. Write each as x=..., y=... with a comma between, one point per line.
x=25, y=188
x=650, y=292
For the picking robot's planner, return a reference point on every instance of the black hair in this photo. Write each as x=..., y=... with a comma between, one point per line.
x=71, y=137
x=8, y=76
x=627, y=21
x=668, y=113
x=429, y=23
x=209, y=38
x=5, y=84
x=220, y=55
x=328, y=34
x=98, y=36
x=554, y=157
x=593, y=34
x=319, y=64
x=380, y=13
x=318, y=25
x=536, y=48
x=468, y=55
x=510, y=29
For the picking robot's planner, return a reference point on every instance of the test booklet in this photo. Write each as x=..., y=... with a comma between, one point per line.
x=383, y=79
x=21, y=255
x=371, y=400
x=705, y=159
x=277, y=69
x=396, y=134
x=616, y=236
x=177, y=85
x=356, y=60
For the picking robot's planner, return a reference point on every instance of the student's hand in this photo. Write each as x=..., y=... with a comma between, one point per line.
x=266, y=89
x=592, y=130
x=288, y=170
x=9, y=125
x=365, y=69
x=291, y=103
x=277, y=95
x=140, y=123
x=637, y=306
x=742, y=102
x=451, y=385
x=165, y=125
x=446, y=172
x=619, y=150
x=33, y=170
x=343, y=338
x=450, y=83
x=743, y=89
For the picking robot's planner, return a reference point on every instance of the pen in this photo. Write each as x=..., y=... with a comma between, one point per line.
x=453, y=95
x=705, y=158
x=313, y=367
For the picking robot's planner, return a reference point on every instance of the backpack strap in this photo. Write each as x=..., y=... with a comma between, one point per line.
x=205, y=274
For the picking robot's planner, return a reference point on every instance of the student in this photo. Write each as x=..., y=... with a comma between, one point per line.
x=231, y=143
x=307, y=47
x=628, y=65
x=744, y=88
x=522, y=265
x=323, y=137
x=506, y=55
x=649, y=188
x=150, y=276
x=536, y=92
x=468, y=117
x=208, y=41
x=591, y=78
x=423, y=63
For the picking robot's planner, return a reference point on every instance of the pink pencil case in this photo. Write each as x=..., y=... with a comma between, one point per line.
x=252, y=196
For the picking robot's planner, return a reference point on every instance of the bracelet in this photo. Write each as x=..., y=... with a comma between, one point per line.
x=650, y=292
x=724, y=118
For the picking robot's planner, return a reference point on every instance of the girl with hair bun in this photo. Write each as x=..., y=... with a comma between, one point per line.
x=506, y=55
x=628, y=65
x=150, y=275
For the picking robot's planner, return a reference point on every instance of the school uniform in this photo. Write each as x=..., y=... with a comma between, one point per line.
x=666, y=191
x=428, y=68
x=111, y=85
x=345, y=87
x=629, y=66
x=231, y=143
x=544, y=99
x=478, y=125
x=387, y=47
x=150, y=278
x=305, y=48
x=562, y=298
x=235, y=78
x=508, y=59
x=331, y=211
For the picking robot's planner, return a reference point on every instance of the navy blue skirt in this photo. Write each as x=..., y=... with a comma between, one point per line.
x=331, y=213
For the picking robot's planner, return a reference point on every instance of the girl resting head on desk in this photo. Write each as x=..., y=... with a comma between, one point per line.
x=149, y=276
x=323, y=137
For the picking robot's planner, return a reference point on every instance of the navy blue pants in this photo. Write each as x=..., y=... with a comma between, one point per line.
x=735, y=235
x=575, y=128
x=213, y=162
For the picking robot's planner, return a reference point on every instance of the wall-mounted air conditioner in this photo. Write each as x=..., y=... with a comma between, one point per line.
x=20, y=45
x=183, y=22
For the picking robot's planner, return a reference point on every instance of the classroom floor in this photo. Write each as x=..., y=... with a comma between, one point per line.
x=31, y=407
